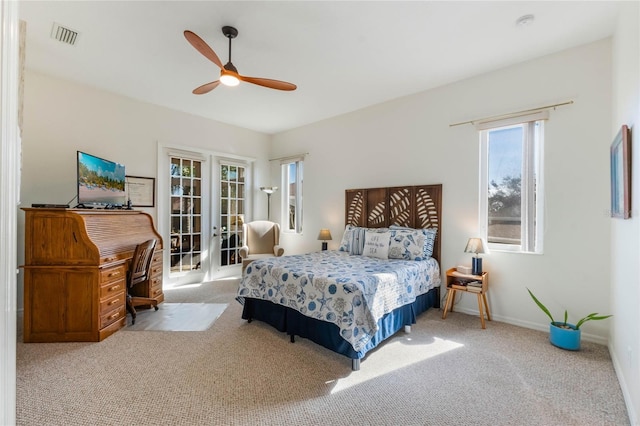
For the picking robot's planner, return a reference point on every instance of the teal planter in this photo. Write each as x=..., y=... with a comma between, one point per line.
x=565, y=338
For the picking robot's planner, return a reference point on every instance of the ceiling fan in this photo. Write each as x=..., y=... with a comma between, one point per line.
x=229, y=73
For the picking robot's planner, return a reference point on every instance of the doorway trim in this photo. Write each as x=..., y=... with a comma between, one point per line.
x=10, y=143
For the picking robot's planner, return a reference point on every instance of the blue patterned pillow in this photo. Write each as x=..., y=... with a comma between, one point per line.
x=352, y=239
x=345, y=243
x=407, y=244
x=411, y=244
x=430, y=239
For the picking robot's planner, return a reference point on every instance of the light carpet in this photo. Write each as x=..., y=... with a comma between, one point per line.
x=444, y=373
x=178, y=317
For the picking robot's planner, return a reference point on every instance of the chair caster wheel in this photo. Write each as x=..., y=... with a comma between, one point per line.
x=155, y=307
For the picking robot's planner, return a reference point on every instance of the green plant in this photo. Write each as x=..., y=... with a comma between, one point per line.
x=591, y=317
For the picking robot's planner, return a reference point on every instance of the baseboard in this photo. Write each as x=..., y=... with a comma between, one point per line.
x=587, y=337
x=628, y=400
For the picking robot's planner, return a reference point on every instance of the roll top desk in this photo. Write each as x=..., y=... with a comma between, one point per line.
x=75, y=270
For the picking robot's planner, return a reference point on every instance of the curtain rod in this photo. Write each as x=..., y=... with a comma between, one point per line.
x=289, y=156
x=512, y=114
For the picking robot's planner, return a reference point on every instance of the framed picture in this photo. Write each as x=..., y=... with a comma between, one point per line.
x=141, y=191
x=621, y=174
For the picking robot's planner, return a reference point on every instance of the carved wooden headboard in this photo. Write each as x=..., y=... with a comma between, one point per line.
x=412, y=206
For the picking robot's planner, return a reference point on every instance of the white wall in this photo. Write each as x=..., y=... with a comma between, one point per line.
x=625, y=234
x=61, y=117
x=408, y=141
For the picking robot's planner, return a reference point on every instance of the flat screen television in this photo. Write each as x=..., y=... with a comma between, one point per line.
x=100, y=182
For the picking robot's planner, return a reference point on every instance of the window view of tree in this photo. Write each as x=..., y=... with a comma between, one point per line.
x=510, y=171
x=505, y=206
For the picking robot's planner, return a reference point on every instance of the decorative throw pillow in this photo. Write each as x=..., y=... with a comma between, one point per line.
x=345, y=244
x=353, y=238
x=407, y=244
x=376, y=244
x=429, y=238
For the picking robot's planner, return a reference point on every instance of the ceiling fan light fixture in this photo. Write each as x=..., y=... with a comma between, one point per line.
x=229, y=79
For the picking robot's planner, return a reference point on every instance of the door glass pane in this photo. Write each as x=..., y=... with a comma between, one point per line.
x=186, y=214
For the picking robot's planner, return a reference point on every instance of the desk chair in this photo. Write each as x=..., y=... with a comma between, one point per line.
x=139, y=273
x=261, y=239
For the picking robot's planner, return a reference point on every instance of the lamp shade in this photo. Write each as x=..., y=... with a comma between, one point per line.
x=476, y=245
x=324, y=235
x=268, y=189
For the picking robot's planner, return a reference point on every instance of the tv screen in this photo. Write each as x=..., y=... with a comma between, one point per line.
x=100, y=181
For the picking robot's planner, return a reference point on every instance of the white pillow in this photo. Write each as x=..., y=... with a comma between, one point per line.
x=376, y=244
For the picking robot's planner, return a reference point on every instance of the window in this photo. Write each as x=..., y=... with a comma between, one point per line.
x=292, y=173
x=511, y=184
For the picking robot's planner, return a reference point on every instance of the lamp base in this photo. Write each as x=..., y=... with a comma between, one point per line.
x=324, y=245
x=476, y=266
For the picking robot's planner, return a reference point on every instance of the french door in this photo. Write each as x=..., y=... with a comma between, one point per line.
x=232, y=178
x=188, y=261
x=203, y=204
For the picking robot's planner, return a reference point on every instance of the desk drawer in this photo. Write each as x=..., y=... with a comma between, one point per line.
x=112, y=303
x=109, y=290
x=157, y=257
x=112, y=316
x=156, y=264
x=155, y=270
x=112, y=274
x=155, y=286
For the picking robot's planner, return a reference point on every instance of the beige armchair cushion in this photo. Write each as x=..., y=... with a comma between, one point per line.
x=261, y=239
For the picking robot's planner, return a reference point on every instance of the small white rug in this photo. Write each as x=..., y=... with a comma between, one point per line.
x=177, y=317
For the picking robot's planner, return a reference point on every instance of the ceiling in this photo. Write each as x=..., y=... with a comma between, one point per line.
x=342, y=55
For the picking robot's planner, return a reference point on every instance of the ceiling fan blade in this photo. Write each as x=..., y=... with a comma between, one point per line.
x=267, y=82
x=202, y=47
x=206, y=88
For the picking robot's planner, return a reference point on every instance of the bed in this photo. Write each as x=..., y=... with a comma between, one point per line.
x=350, y=300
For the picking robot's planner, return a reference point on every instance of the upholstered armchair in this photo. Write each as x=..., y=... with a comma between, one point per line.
x=261, y=238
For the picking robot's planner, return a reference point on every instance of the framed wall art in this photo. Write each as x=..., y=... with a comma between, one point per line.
x=621, y=174
x=141, y=191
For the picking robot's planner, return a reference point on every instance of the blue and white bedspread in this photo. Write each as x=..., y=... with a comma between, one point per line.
x=353, y=292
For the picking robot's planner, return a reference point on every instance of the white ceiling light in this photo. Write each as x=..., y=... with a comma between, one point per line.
x=229, y=79
x=525, y=20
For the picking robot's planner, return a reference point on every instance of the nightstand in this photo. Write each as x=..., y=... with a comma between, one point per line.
x=460, y=282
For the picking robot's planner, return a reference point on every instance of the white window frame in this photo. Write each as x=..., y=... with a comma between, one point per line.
x=286, y=184
x=532, y=182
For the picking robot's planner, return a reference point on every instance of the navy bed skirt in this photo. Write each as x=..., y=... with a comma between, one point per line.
x=327, y=334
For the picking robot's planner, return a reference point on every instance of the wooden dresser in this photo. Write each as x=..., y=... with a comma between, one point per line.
x=75, y=272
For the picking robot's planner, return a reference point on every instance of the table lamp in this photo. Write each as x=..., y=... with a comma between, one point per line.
x=268, y=190
x=324, y=236
x=476, y=246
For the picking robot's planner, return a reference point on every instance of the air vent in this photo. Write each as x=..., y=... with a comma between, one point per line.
x=63, y=34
